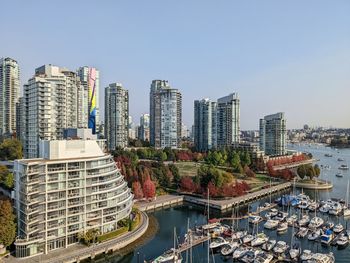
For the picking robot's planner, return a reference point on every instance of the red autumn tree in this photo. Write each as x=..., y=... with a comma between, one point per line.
x=149, y=189
x=187, y=184
x=228, y=190
x=248, y=172
x=213, y=190
x=137, y=190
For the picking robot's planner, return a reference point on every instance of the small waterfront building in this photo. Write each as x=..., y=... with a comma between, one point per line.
x=72, y=188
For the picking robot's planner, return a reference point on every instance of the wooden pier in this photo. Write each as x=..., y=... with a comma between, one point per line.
x=226, y=204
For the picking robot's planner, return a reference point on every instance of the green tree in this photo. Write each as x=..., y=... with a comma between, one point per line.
x=245, y=159
x=6, y=178
x=9, y=181
x=317, y=170
x=236, y=163
x=7, y=223
x=11, y=149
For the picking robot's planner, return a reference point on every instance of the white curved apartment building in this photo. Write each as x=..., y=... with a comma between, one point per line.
x=75, y=186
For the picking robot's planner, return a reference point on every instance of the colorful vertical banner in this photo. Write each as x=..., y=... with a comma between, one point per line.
x=92, y=98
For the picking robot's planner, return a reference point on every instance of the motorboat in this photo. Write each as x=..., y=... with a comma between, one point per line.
x=294, y=252
x=328, y=225
x=338, y=228
x=238, y=235
x=341, y=159
x=249, y=256
x=269, y=245
x=346, y=212
x=292, y=220
x=304, y=204
x=327, y=237
x=322, y=258
x=343, y=167
x=218, y=242
x=328, y=155
x=343, y=241
x=271, y=224
x=281, y=216
x=335, y=209
x=313, y=206
x=248, y=238
x=169, y=256
x=240, y=252
x=304, y=220
x=253, y=219
x=260, y=239
x=229, y=248
x=263, y=257
x=316, y=222
x=339, y=175
x=302, y=232
x=314, y=235
x=306, y=255
x=280, y=247
x=283, y=227
x=272, y=213
x=325, y=208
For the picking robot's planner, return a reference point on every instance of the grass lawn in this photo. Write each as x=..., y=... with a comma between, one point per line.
x=187, y=168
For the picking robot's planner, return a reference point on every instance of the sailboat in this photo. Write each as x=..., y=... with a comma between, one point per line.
x=170, y=256
x=346, y=211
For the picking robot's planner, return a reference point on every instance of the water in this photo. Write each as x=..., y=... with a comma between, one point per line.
x=178, y=217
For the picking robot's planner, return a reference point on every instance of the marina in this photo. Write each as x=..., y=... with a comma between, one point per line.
x=195, y=214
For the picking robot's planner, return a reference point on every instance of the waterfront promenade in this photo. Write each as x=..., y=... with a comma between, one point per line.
x=160, y=202
x=78, y=252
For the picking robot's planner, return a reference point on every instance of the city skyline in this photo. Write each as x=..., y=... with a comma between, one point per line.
x=284, y=56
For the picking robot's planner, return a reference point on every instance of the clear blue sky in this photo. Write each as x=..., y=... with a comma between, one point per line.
x=291, y=56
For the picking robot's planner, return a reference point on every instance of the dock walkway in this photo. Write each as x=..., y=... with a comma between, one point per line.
x=226, y=204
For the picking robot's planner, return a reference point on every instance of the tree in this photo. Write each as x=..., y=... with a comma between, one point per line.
x=137, y=190
x=187, y=184
x=176, y=175
x=317, y=170
x=248, y=172
x=149, y=189
x=11, y=149
x=7, y=223
x=6, y=178
x=213, y=191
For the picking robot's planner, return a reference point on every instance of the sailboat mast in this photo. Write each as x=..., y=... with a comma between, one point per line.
x=188, y=236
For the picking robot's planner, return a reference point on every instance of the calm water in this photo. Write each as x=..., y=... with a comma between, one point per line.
x=178, y=217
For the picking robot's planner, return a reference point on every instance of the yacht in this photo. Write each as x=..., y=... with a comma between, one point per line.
x=263, y=258
x=239, y=235
x=338, y=228
x=254, y=219
x=316, y=222
x=259, y=240
x=248, y=238
x=273, y=212
x=343, y=167
x=306, y=255
x=335, y=209
x=343, y=241
x=294, y=253
x=346, y=212
x=325, y=208
x=327, y=237
x=218, y=242
x=302, y=232
x=281, y=216
x=170, y=256
x=304, y=204
x=280, y=247
x=229, y=248
x=249, y=256
x=339, y=175
x=328, y=155
x=292, y=219
x=271, y=224
x=314, y=235
x=341, y=159
x=304, y=220
x=322, y=258
x=269, y=245
x=328, y=225
x=313, y=206
x=283, y=227
x=240, y=252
